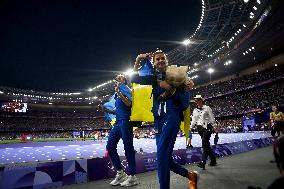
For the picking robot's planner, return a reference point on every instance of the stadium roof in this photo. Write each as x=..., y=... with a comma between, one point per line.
x=229, y=29
x=230, y=32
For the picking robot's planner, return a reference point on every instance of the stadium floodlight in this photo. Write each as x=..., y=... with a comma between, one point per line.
x=1, y=92
x=252, y=47
x=246, y=1
x=129, y=72
x=210, y=70
x=275, y=65
x=90, y=89
x=244, y=25
x=254, y=7
x=186, y=42
x=195, y=64
x=227, y=63
x=258, y=1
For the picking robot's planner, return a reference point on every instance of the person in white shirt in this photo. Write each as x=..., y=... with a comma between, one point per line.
x=203, y=119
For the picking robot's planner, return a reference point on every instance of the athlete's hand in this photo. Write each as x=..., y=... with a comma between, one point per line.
x=116, y=89
x=144, y=56
x=164, y=85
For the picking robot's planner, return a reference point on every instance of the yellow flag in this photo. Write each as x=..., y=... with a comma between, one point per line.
x=185, y=125
x=142, y=103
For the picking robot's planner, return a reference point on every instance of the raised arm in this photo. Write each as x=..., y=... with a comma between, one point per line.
x=139, y=59
x=125, y=100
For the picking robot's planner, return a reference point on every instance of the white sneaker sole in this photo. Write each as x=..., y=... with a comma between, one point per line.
x=128, y=185
x=118, y=182
x=114, y=184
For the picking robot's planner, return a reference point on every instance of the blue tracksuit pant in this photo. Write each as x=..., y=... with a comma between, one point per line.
x=122, y=129
x=168, y=127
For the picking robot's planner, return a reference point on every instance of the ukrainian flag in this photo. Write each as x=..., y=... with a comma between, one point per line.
x=142, y=101
x=110, y=105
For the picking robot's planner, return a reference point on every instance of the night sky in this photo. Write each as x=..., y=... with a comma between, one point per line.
x=56, y=46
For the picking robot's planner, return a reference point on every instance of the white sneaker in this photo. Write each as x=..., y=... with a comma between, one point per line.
x=130, y=181
x=119, y=178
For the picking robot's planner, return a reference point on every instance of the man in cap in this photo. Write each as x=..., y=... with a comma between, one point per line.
x=203, y=119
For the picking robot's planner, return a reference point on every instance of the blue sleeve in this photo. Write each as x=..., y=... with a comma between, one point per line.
x=146, y=69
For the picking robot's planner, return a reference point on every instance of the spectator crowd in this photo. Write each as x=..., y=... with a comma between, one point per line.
x=230, y=98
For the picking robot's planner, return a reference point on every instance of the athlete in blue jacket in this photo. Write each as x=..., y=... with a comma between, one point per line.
x=122, y=129
x=167, y=118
